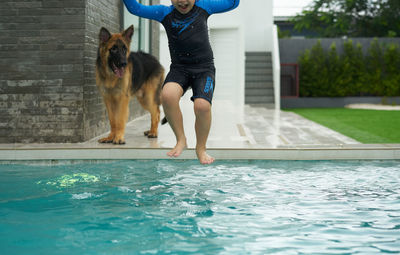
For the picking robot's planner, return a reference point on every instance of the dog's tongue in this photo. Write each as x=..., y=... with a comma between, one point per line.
x=119, y=72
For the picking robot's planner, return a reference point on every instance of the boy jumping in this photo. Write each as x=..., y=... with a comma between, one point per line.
x=185, y=22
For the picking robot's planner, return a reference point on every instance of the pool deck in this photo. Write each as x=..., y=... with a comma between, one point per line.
x=250, y=132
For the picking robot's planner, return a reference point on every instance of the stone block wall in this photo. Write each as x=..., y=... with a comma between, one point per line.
x=48, y=50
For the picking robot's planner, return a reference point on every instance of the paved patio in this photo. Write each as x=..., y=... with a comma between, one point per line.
x=250, y=132
x=253, y=127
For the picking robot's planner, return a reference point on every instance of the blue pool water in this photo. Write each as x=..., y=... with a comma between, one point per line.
x=181, y=207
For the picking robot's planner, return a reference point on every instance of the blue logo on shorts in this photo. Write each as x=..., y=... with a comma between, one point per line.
x=209, y=85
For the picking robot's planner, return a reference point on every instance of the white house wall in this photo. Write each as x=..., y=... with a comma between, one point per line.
x=255, y=16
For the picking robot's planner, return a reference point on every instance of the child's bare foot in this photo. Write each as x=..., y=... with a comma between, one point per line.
x=179, y=147
x=203, y=157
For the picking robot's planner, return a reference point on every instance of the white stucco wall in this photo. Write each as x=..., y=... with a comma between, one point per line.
x=256, y=19
x=258, y=22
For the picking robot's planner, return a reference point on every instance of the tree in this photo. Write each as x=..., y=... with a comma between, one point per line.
x=391, y=59
x=353, y=68
x=352, y=18
x=314, y=70
x=375, y=69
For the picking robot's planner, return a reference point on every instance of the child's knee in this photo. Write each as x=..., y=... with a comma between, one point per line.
x=168, y=98
x=165, y=97
x=202, y=106
x=171, y=94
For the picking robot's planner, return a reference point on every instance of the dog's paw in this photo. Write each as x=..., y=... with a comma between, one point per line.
x=119, y=141
x=105, y=140
x=150, y=135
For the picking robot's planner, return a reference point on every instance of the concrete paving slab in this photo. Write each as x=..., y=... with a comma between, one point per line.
x=252, y=132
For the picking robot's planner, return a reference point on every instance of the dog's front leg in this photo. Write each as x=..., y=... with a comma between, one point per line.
x=109, y=102
x=121, y=117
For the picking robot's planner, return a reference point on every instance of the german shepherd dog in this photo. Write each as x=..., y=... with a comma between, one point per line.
x=120, y=75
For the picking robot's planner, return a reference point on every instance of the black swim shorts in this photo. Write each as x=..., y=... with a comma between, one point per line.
x=201, y=78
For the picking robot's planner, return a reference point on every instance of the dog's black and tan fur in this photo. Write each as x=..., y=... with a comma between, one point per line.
x=120, y=75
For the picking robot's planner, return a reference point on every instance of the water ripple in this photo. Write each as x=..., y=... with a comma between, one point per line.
x=181, y=207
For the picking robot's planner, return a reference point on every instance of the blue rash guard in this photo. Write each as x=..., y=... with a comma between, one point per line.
x=187, y=33
x=189, y=44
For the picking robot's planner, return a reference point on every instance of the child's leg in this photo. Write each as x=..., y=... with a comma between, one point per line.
x=202, y=110
x=170, y=96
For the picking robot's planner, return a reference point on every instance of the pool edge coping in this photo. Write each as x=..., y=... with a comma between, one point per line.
x=341, y=152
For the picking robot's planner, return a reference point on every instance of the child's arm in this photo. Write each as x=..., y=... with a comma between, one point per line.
x=218, y=6
x=156, y=12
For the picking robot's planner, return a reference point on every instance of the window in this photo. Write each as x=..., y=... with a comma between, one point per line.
x=141, y=36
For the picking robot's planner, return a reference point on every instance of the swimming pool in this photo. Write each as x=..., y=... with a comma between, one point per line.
x=181, y=207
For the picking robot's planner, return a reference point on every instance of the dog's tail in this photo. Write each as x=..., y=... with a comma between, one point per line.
x=164, y=121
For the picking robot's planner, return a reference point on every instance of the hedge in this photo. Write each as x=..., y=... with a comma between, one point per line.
x=326, y=73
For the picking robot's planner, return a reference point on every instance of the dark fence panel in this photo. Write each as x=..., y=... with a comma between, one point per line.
x=289, y=80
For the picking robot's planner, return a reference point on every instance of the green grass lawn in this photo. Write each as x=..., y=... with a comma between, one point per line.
x=365, y=126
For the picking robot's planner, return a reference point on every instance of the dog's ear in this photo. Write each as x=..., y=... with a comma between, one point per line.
x=128, y=33
x=104, y=35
